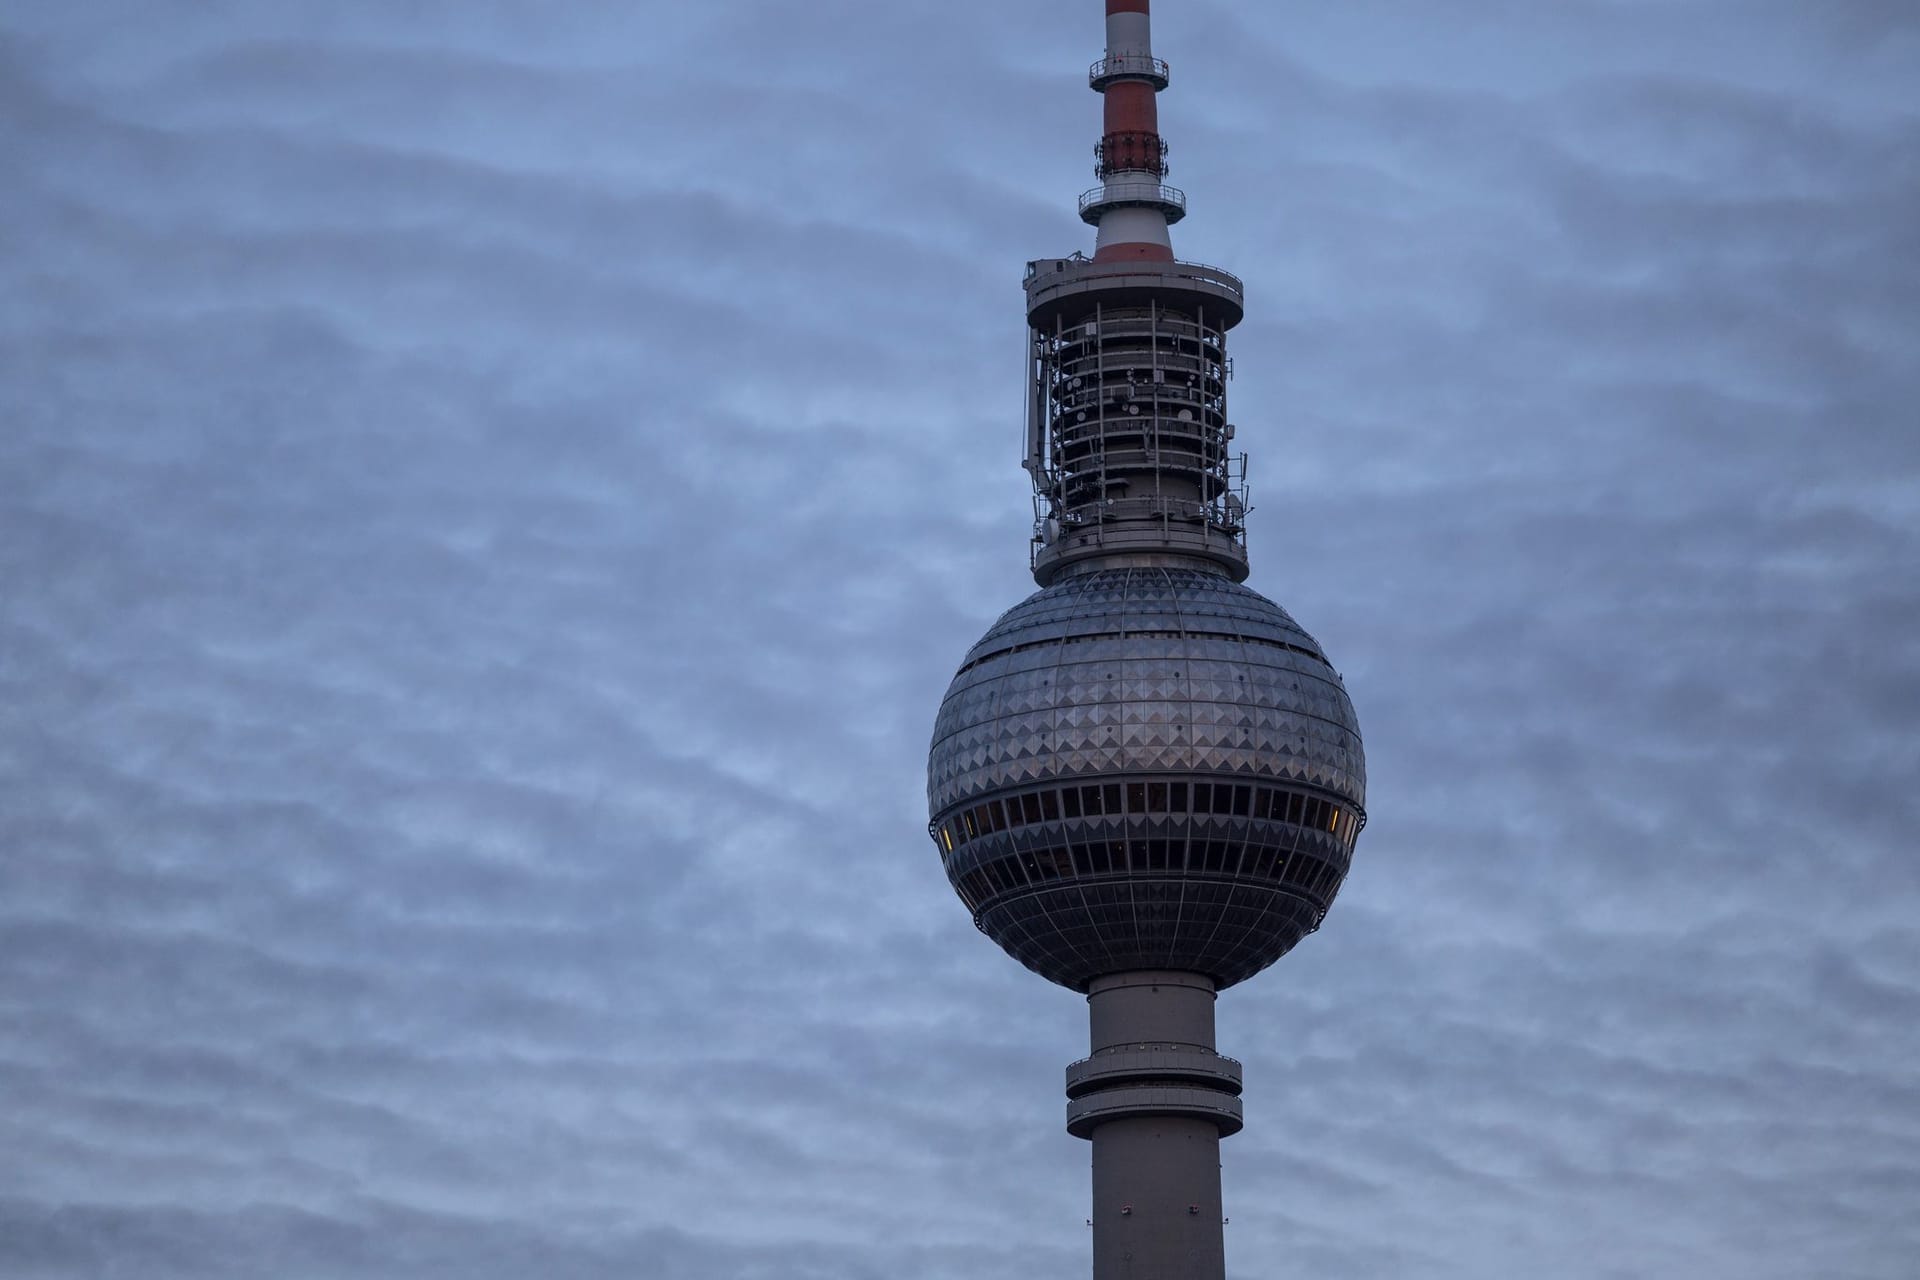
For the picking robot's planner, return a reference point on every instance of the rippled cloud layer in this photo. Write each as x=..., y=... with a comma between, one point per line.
x=491, y=495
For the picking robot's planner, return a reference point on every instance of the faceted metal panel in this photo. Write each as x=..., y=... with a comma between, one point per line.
x=1142, y=672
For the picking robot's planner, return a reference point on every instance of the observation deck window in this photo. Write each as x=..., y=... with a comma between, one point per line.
x=1031, y=813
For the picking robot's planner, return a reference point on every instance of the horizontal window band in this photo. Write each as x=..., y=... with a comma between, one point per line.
x=1181, y=807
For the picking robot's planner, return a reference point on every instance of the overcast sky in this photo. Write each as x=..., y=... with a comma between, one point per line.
x=492, y=493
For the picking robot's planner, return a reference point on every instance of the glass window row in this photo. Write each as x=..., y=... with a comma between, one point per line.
x=1296, y=870
x=1154, y=798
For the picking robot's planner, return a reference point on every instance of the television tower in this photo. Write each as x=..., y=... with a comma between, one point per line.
x=1146, y=779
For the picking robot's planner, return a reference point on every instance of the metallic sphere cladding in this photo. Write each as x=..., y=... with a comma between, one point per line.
x=1146, y=766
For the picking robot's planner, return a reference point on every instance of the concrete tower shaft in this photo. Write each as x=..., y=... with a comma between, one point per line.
x=1155, y=1100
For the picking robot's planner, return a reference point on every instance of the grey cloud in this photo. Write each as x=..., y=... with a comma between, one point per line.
x=490, y=501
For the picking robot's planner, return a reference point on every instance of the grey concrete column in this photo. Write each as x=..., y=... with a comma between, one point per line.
x=1155, y=1100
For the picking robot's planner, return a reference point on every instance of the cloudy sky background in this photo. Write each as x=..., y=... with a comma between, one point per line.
x=491, y=494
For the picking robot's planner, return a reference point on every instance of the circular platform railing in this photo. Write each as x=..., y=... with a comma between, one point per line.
x=1171, y=201
x=1128, y=66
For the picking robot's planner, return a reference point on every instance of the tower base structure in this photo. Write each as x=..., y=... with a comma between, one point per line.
x=1154, y=1099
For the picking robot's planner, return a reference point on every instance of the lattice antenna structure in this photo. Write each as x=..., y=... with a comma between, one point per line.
x=1128, y=440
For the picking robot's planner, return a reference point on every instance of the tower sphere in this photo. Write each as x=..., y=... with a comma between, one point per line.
x=1146, y=766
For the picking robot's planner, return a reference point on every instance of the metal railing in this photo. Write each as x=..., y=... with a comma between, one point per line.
x=1127, y=64
x=1170, y=200
x=1210, y=275
x=1207, y=271
x=1179, y=269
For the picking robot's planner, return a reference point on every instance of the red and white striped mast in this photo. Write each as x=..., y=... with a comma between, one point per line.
x=1132, y=208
